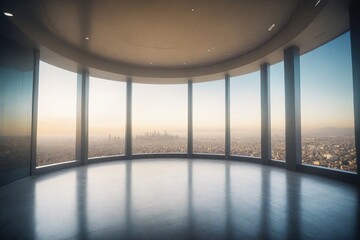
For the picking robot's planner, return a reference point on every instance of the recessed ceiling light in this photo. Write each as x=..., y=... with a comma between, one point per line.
x=87, y=38
x=209, y=50
x=150, y=62
x=184, y=63
x=317, y=3
x=271, y=27
x=8, y=14
x=193, y=9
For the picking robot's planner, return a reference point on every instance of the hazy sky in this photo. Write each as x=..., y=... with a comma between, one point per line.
x=208, y=107
x=326, y=99
x=245, y=113
x=160, y=108
x=57, y=102
x=326, y=86
x=107, y=103
x=277, y=96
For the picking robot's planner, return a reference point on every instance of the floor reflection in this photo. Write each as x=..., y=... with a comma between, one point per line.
x=82, y=204
x=56, y=207
x=228, y=203
x=293, y=198
x=265, y=203
x=128, y=206
x=209, y=200
x=356, y=228
x=178, y=199
x=190, y=199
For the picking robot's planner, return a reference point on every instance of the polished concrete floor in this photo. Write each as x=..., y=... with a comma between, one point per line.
x=179, y=199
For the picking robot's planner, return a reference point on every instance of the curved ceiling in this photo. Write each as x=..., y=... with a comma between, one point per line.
x=165, y=39
x=165, y=33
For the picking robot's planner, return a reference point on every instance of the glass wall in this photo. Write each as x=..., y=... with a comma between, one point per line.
x=209, y=117
x=107, y=117
x=327, y=115
x=277, y=101
x=159, y=113
x=16, y=94
x=56, y=131
x=159, y=118
x=245, y=117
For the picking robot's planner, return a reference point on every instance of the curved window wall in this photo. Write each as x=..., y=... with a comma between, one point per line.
x=245, y=115
x=107, y=104
x=209, y=117
x=160, y=114
x=56, y=131
x=277, y=101
x=327, y=114
x=159, y=119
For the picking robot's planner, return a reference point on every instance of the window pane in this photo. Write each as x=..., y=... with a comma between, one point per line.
x=277, y=101
x=159, y=118
x=209, y=117
x=245, y=115
x=56, y=132
x=107, y=103
x=327, y=115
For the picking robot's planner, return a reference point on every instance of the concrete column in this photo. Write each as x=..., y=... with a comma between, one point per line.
x=354, y=12
x=227, y=116
x=82, y=109
x=265, y=114
x=34, y=111
x=128, y=134
x=292, y=107
x=190, y=119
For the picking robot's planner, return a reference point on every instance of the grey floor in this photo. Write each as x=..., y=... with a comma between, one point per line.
x=179, y=199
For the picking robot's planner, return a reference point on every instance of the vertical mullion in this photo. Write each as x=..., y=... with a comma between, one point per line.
x=82, y=117
x=292, y=107
x=265, y=114
x=190, y=119
x=128, y=136
x=35, y=100
x=354, y=11
x=227, y=116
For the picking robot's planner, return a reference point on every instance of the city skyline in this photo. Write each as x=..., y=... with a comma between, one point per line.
x=234, y=132
x=327, y=151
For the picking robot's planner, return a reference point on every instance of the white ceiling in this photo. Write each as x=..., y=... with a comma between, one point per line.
x=170, y=41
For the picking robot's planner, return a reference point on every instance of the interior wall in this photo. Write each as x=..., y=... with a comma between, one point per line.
x=16, y=93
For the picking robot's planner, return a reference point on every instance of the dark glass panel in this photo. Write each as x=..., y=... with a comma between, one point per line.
x=16, y=87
